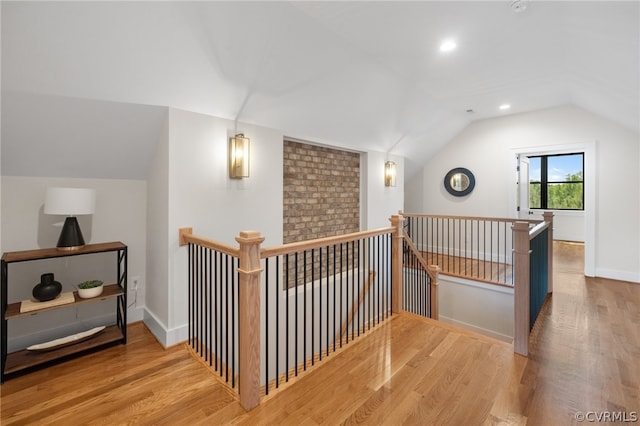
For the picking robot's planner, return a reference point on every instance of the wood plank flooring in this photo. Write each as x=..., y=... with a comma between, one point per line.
x=584, y=357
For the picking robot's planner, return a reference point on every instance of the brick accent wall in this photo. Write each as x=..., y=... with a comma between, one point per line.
x=321, y=199
x=321, y=192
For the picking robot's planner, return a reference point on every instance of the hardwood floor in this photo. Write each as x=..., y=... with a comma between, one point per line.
x=584, y=357
x=492, y=272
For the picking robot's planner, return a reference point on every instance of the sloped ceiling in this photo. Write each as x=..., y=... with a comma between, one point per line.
x=362, y=75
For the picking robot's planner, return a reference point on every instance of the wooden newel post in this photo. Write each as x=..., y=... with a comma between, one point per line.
x=434, y=271
x=397, y=222
x=548, y=217
x=521, y=296
x=249, y=318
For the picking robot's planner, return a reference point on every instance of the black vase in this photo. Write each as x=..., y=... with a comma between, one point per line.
x=47, y=289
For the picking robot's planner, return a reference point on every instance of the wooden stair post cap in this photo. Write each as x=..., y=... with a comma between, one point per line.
x=249, y=236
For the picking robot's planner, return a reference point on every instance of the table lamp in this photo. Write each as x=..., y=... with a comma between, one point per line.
x=70, y=202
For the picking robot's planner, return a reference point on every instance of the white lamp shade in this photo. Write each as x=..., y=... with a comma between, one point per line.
x=70, y=201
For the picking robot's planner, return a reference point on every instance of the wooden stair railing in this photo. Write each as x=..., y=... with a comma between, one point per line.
x=250, y=255
x=432, y=270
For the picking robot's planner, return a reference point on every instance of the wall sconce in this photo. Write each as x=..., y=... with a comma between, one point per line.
x=238, y=157
x=70, y=202
x=389, y=173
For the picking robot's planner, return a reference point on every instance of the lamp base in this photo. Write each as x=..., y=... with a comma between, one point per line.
x=71, y=236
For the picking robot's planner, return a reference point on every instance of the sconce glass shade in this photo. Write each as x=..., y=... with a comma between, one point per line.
x=238, y=157
x=70, y=202
x=389, y=173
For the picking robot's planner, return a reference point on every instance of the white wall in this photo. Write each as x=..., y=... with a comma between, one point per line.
x=414, y=193
x=483, y=308
x=120, y=216
x=203, y=197
x=199, y=194
x=486, y=147
x=379, y=201
x=158, y=234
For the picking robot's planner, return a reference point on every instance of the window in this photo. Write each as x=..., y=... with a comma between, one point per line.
x=556, y=182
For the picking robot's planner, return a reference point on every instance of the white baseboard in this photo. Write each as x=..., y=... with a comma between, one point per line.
x=156, y=327
x=613, y=274
x=476, y=329
x=166, y=337
x=135, y=314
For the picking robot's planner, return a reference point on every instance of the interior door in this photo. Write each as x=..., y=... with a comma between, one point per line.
x=523, y=188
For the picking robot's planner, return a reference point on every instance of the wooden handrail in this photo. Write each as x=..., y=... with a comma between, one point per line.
x=533, y=232
x=486, y=219
x=321, y=242
x=186, y=237
x=429, y=268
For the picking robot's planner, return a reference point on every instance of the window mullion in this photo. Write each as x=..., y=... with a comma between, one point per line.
x=543, y=182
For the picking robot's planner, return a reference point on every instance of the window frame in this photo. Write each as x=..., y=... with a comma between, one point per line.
x=545, y=182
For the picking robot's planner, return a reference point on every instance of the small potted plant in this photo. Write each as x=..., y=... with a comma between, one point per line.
x=89, y=289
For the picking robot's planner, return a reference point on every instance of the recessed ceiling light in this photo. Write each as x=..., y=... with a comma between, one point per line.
x=504, y=106
x=448, y=46
x=519, y=6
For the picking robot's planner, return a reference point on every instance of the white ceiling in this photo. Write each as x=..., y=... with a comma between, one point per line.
x=82, y=76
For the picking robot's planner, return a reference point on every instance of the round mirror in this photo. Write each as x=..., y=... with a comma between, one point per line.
x=459, y=181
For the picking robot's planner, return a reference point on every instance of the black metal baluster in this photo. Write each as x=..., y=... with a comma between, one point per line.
x=226, y=313
x=234, y=322
x=218, y=311
x=350, y=277
x=466, y=256
x=209, y=304
x=484, y=249
x=196, y=301
x=190, y=292
x=277, y=289
x=491, y=252
x=370, y=262
x=459, y=254
x=505, y=253
x=304, y=313
x=379, y=278
x=356, y=303
x=199, y=302
x=266, y=327
x=342, y=270
x=335, y=311
x=388, y=294
x=334, y=304
x=319, y=305
x=288, y=286
x=295, y=321
x=374, y=287
x=448, y=243
x=355, y=261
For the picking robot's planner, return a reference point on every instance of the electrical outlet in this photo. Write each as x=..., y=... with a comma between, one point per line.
x=135, y=281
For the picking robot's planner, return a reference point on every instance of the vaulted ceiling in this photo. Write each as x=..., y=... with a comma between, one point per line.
x=84, y=84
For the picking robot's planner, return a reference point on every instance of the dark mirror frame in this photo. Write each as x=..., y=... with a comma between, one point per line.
x=451, y=190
